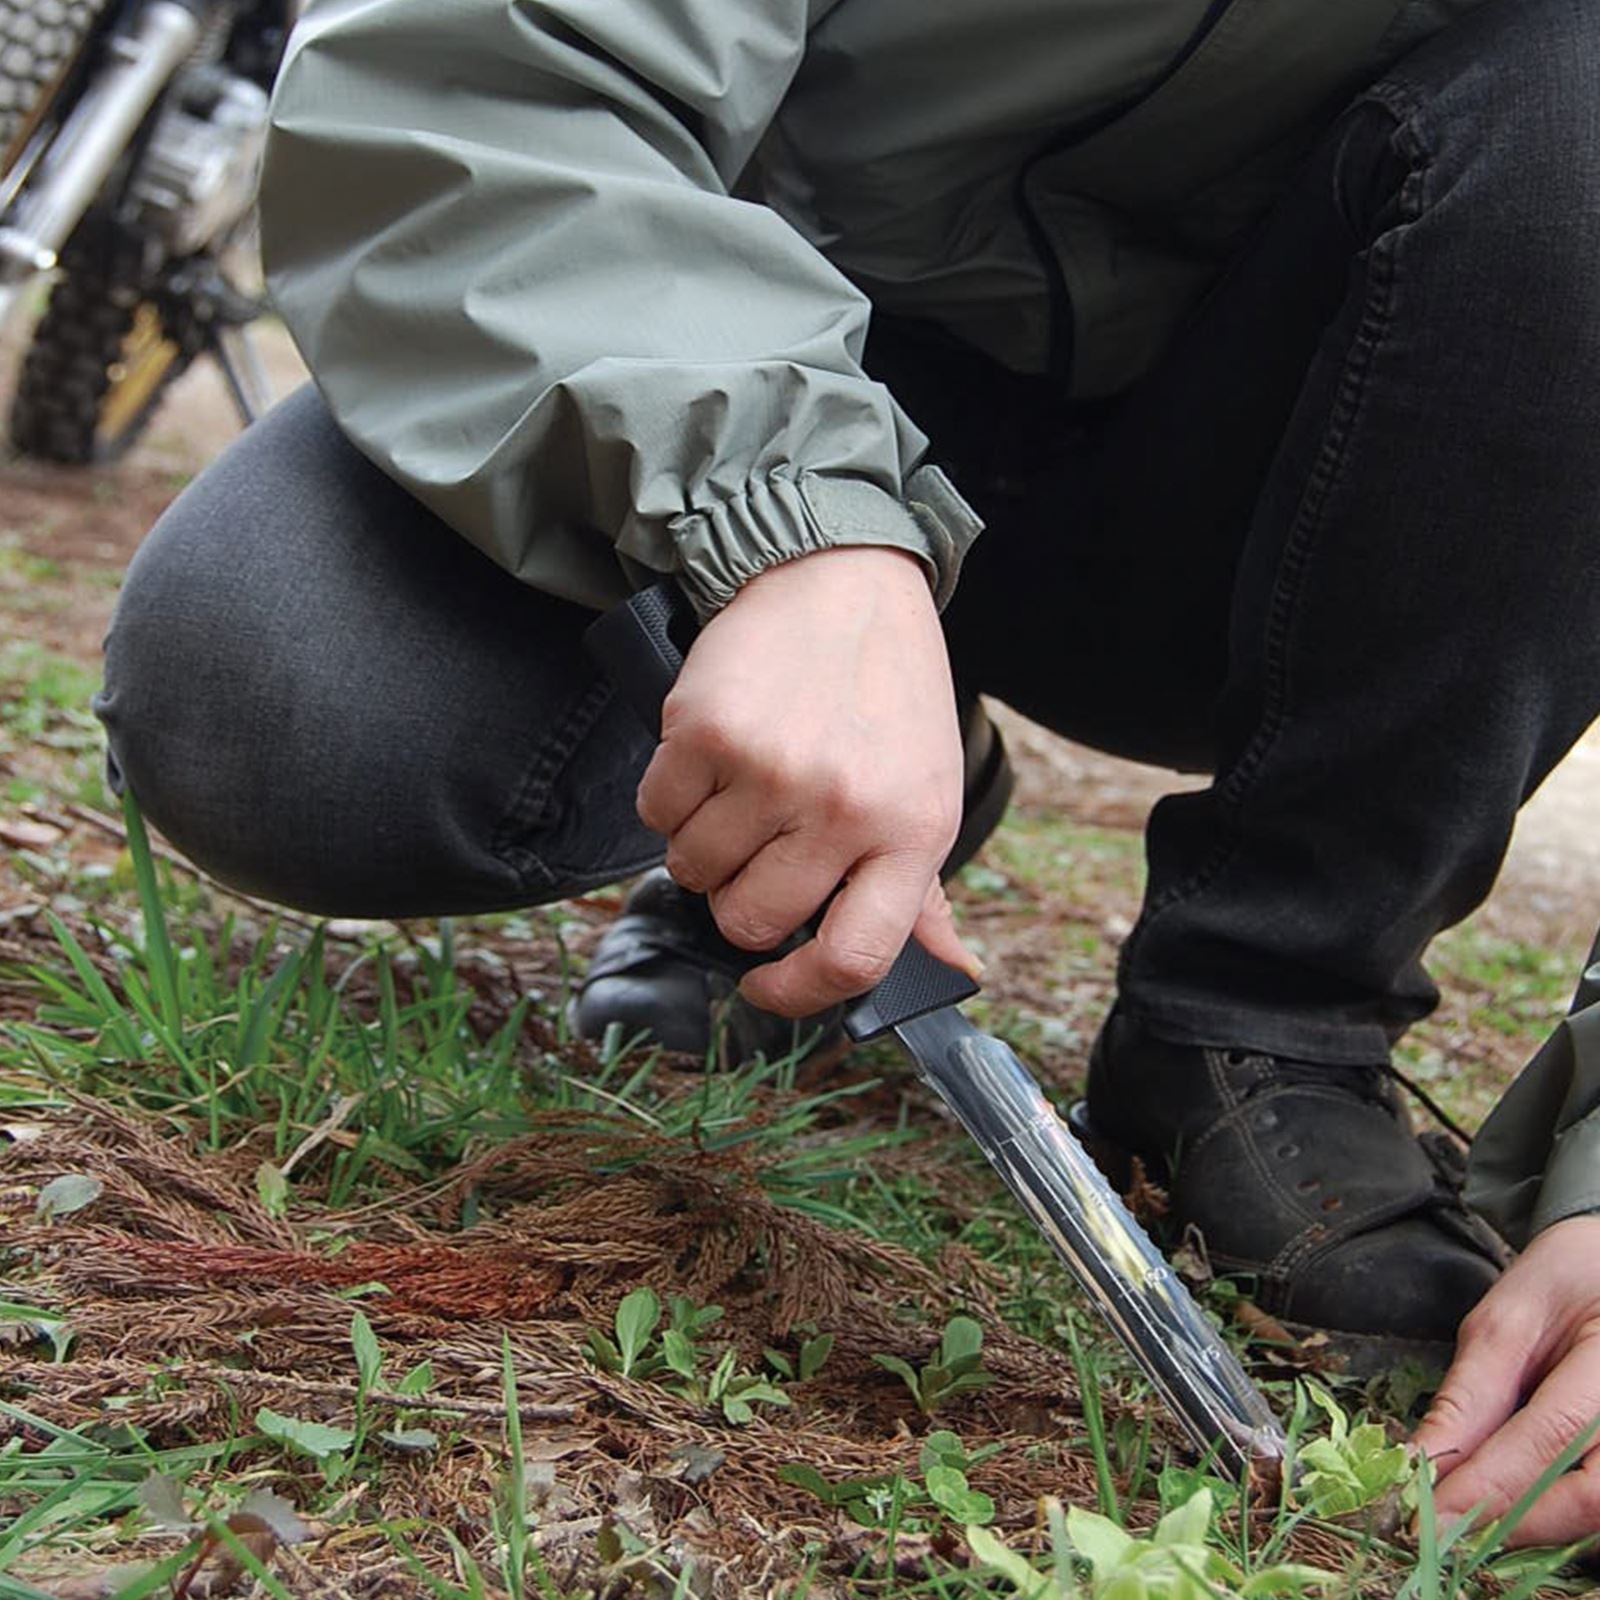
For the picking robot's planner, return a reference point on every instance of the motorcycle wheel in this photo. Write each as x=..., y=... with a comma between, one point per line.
x=39, y=42
x=102, y=359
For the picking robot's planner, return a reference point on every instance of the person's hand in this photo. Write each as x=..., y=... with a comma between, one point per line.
x=811, y=739
x=1524, y=1384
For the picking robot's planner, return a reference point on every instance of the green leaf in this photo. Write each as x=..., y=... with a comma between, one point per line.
x=419, y=1380
x=943, y=1448
x=759, y=1392
x=637, y=1317
x=1098, y=1540
x=1129, y=1584
x=42, y=1324
x=967, y=1383
x=813, y=1354
x=974, y=1506
x=1290, y=1577
x=314, y=1439
x=602, y=1352
x=736, y=1410
x=369, y=1357
x=1187, y=1524
x=721, y=1374
x=902, y=1370
x=1338, y=1421
x=1026, y=1579
x=678, y=1352
x=809, y=1479
x=779, y=1362
x=162, y=1499
x=68, y=1193
x=963, y=1339
x=410, y=1441
x=272, y=1189
x=945, y=1484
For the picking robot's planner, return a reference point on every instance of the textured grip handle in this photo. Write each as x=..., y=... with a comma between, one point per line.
x=640, y=645
x=916, y=984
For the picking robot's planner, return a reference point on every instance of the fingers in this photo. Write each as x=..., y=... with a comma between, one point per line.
x=1501, y=1468
x=1485, y=1382
x=679, y=780
x=935, y=930
x=1569, y=1510
x=864, y=930
x=720, y=839
x=778, y=889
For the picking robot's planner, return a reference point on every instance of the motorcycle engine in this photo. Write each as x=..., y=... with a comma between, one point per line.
x=198, y=173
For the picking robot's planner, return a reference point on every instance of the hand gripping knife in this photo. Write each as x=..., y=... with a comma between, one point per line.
x=640, y=645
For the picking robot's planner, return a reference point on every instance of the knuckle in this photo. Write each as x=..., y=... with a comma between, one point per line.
x=1450, y=1410
x=1554, y=1427
x=930, y=825
x=685, y=873
x=745, y=927
x=1494, y=1322
x=856, y=966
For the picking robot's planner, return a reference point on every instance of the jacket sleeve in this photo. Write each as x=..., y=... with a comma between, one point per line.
x=502, y=235
x=1537, y=1158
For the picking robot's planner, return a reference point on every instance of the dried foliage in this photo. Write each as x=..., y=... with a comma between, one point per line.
x=191, y=1306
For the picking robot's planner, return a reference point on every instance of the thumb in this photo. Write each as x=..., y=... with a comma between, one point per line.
x=935, y=931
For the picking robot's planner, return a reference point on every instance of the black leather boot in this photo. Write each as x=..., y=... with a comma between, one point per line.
x=664, y=970
x=1307, y=1184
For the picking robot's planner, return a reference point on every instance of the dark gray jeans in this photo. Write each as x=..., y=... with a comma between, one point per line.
x=1340, y=549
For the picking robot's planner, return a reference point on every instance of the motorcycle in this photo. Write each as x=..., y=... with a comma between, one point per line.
x=130, y=139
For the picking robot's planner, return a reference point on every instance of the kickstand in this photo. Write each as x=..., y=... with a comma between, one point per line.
x=234, y=349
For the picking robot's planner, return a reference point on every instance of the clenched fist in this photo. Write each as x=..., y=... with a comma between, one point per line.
x=811, y=741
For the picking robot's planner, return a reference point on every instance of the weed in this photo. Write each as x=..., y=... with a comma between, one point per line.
x=1355, y=1465
x=675, y=1360
x=904, y=1503
x=1178, y=1561
x=956, y=1367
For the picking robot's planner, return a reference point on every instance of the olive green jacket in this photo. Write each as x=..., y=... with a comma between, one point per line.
x=591, y=278
x=1537, y=1158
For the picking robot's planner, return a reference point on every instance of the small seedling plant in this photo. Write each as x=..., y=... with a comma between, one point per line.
x=956, y=1368
x=1094, y=1559
x=674, y=1358
x=1353, y=1466
x=337, y=1450
x=897, y=1501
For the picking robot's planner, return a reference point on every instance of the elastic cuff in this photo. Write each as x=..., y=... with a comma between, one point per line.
x=1571, y=1185
x=782, y=517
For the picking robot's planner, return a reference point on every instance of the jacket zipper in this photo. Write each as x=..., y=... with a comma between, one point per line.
x=1062, y=333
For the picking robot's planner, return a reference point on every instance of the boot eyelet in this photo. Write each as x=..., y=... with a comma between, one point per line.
x=1332, y=1203
x=1235, y=1058
x=1287, y=1152
x=1306, y=1185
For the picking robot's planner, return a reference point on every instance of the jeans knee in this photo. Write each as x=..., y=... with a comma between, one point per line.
x=1513, y=143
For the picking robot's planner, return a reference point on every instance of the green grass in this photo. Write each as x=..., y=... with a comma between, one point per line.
x=267, y=1038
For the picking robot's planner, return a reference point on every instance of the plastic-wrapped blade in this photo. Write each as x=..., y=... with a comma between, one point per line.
x=1104, y=1248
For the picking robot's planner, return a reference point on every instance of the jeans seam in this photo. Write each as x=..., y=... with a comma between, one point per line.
x=1299, y=546
x=532, y=797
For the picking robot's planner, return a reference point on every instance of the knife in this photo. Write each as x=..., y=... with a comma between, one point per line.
x=640, y=645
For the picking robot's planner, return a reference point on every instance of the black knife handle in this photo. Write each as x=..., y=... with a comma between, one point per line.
x=640, y=645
